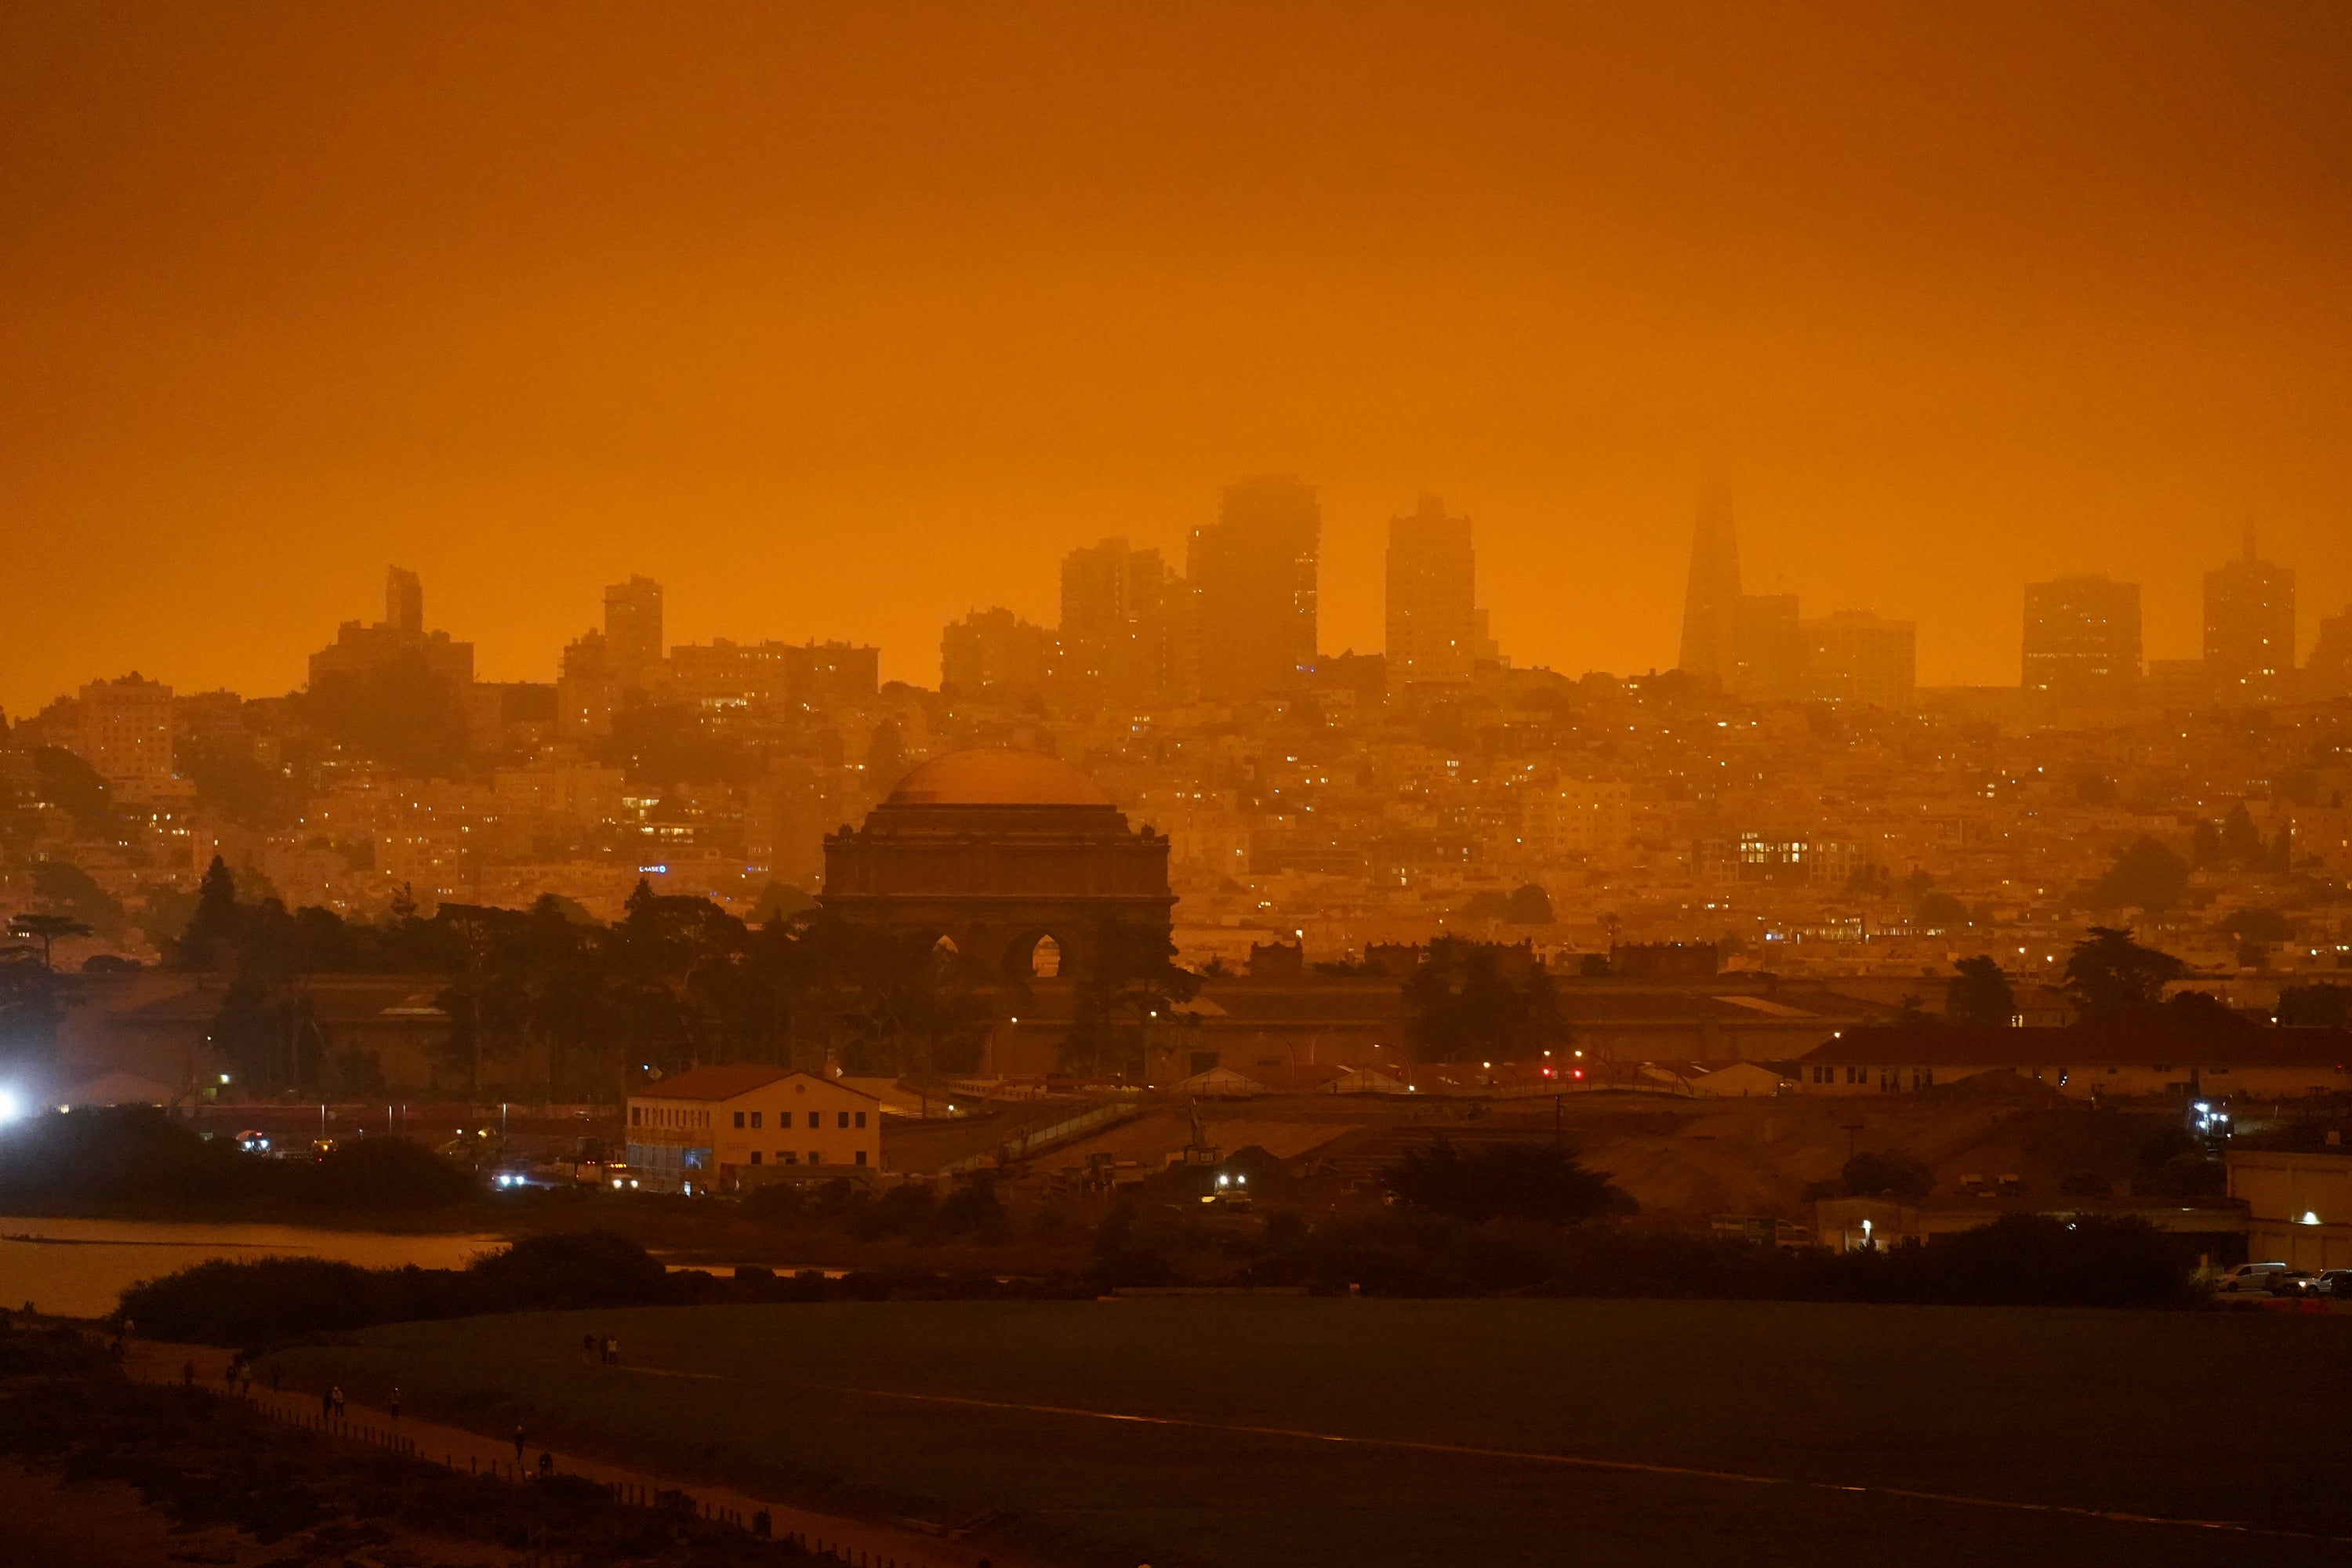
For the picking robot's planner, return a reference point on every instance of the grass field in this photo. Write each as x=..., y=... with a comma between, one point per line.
x=2216, y=1416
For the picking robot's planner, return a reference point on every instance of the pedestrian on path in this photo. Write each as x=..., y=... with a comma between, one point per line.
x=612, y=1352
x=396, y=1402
x=326, y=1405
x=335, y=1395
x=588, y=1348
x=245, y=1384
x=275, y=1371
x=518, y=1444
x=546, y=1465
x=188, y=1374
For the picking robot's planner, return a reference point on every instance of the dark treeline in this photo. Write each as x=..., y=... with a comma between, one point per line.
x=137, y=1158
x=550, y=1001
x=2018, y=1260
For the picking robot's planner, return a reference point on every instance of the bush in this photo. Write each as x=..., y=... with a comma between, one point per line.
x=1524, y=1180
x=1886, y=1174
x=376, y=1174
x=572, y=1268
x=269, y=1300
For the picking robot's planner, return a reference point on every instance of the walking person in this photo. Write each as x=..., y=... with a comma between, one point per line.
x=326, y=1405
x=588, y=1347
x=395, y=1401
x=518, y=1441
x=612, y=1352
x=275, y=1372
x=335, y=1397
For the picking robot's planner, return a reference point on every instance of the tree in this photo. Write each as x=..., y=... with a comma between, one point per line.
x=2257, y=925
x=1131, y=983
x=65, y=888
x=1529, y=906
x=2317, y=1005
x=209, y=939
x=31, y=1007
x=2145, y=876
x=1941, y=912
x=1520, y=1180
x=1460, y=1005
x=1978, y=992
x=1885, y=1173
x=2108, y=971
x=45, y=929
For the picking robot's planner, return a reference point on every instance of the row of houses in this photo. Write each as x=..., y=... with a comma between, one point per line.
x=2152, y=1051
x=2280, y=1206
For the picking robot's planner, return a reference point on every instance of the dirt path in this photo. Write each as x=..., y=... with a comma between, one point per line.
x=858, y=1543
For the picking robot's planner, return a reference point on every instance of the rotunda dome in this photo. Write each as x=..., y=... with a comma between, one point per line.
x=996, y=776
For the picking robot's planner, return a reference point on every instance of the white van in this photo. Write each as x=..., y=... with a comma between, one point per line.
x=2252, y=1278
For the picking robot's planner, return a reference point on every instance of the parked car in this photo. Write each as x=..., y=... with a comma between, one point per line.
x=2251, y=1278
x=2294, y=1282
x=2335, y=1283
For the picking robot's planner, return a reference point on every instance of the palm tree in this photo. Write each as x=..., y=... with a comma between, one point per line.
x=45, y=929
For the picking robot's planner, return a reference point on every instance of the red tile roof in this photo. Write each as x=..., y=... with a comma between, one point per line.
x=727, y=1082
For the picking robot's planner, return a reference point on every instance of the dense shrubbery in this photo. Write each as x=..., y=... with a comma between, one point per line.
x=2022, y=1260
x=139, y=1157
x=271, y=1299
x=1504, y=1181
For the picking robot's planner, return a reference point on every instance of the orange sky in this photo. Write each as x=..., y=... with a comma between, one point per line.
x=842, y=320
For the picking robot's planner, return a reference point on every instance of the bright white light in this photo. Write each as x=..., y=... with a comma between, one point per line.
x=11, y=1107
x=2310, y=1217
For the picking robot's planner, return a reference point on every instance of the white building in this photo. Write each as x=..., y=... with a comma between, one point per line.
x=715, y=1128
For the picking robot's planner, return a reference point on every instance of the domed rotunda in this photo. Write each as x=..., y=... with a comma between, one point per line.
x=996, y=850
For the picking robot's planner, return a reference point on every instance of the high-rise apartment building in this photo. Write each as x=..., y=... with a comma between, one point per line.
x=633, y=630
x=2250, y=628
x=2081, y=638
x=123, y=731
x=1115, y=632
x=1253, y=574
x=1854, y=657
x=400, y=640
x=992, y=650
x=2329, y=671
x=1711, y=597
x=1435, y=631
x=403, y=602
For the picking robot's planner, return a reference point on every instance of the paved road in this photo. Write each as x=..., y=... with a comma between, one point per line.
x=858, y=1543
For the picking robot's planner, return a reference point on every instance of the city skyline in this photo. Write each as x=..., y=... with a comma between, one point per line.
x=745, y=348
x=1752, y=629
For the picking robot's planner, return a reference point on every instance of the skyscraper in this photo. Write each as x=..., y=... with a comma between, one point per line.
x=2082, y=640
x=1433, y=632
x=1855, y=657
x=1711, y=600
x=1253, y=574
x=403, y=602
x=632, y=629
x=1114, y=623
x=2250, y=628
